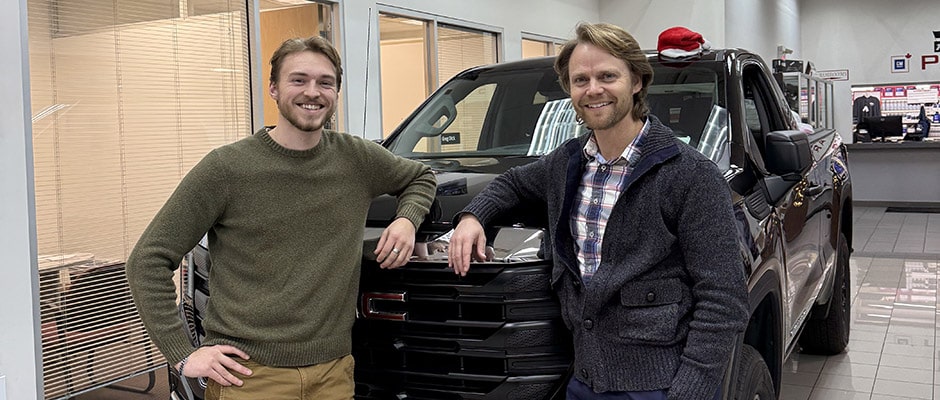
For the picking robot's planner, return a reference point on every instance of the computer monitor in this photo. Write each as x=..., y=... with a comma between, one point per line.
x=883, y=126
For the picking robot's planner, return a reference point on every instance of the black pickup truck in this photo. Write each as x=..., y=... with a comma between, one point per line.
x=425, y=333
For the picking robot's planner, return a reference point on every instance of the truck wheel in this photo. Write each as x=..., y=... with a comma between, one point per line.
x=830, y=335
x=753, y=381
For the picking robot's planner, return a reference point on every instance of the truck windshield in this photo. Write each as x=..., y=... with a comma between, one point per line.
x=491, y=115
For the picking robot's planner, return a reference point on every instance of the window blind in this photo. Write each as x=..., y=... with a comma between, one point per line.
x=127, y=95
x=458, y=49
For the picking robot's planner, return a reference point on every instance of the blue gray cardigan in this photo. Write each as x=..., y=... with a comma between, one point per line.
x=665, y=306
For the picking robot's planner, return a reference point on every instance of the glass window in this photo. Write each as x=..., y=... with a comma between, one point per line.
x=537, y=46
x=814, y=99
x=126, y=96
x=461, y=48
x=419, y=55
x=126, y=99
x=404, y=67
x=480, y=120
x=534, y=48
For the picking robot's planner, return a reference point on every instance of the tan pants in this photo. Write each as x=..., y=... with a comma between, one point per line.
x=332, y=380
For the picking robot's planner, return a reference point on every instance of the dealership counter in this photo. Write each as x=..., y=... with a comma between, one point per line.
x=902, y=174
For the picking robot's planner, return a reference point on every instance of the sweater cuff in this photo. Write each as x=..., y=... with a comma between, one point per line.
x=413, y=213
x=176, y=348
x=694, y=381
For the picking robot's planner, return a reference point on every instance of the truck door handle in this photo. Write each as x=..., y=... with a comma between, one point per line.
x=813, y=190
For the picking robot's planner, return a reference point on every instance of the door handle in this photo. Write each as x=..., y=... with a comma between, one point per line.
x=813, y=190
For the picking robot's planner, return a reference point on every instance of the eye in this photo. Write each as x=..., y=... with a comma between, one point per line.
x=609, y=76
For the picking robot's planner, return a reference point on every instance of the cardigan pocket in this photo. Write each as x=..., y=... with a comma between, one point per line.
x=649, y=310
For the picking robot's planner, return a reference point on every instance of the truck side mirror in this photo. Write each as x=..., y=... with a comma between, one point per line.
x=788, y=154
x=788, y=158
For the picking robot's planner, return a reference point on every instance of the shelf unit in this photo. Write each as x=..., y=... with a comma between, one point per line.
x=907, y=104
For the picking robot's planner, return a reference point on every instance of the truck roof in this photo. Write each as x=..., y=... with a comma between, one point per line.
x=712, y=55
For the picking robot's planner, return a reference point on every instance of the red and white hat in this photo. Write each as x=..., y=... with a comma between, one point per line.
x=680, y=42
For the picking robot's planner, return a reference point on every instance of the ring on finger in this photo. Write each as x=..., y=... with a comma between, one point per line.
x=395, y=250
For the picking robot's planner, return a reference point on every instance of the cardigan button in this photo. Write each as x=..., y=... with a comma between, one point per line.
x=588, y=324
x=651, y=297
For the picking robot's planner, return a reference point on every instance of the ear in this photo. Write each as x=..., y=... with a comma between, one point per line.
x=272, y=91
x=637, y=86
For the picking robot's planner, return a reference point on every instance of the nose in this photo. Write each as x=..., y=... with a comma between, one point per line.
x=594, y=87
x=311, y=90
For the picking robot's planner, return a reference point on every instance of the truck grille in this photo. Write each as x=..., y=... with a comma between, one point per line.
x=494, y=334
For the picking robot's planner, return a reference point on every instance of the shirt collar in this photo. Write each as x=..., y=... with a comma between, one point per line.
x=591, y=151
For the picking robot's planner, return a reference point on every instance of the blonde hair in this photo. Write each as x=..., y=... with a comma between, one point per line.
x=619, y=43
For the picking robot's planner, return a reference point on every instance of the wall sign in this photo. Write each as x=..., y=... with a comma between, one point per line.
x=900, y=64
x=834, y=74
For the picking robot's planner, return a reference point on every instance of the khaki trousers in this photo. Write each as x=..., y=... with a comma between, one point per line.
x=332, y=380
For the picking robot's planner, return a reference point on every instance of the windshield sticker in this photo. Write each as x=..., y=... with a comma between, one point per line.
x=450, y=138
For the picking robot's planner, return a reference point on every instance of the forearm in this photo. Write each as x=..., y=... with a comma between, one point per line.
x=415, y=201
x=511, y=189
x=708, y=238
x=174, y=231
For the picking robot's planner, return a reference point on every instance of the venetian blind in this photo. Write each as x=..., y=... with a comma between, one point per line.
x=127, y=95
x=458, y=49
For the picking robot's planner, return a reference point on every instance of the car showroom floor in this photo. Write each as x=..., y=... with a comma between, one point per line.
x=892, y=352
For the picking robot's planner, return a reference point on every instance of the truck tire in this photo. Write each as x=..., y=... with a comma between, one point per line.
x=830, y=335
x=753, y=381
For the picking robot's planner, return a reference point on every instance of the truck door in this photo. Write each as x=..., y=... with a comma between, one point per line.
x=798, y=216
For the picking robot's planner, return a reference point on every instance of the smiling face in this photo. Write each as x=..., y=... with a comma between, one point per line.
x=305, y=92
x=602, y=88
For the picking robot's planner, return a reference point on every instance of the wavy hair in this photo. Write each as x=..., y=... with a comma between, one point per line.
x=619, y=43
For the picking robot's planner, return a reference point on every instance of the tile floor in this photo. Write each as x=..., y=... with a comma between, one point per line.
x=892, y=351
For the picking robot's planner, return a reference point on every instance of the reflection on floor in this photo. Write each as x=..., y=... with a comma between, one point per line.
x=892, y=352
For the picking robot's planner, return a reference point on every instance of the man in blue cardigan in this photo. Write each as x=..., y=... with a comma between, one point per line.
x=646, y=261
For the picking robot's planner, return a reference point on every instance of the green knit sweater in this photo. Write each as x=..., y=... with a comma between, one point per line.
x=285, y=232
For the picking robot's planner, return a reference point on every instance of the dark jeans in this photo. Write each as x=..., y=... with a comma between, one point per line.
x=577, y=390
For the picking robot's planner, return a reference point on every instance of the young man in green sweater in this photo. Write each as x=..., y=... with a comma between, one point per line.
x=285, y=211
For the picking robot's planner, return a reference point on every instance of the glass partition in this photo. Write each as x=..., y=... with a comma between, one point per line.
x=809, y=98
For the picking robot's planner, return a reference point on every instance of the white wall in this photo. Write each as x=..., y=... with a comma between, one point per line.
x=862, y=35
x=552, y=18
x=645, y=19
x=758, y=26
x=19, y=315
x=761, y=26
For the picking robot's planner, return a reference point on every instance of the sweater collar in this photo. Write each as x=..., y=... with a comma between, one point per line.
x=656, y=137
x=264, y=135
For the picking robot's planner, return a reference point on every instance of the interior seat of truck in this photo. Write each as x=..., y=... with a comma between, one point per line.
x=686, y=114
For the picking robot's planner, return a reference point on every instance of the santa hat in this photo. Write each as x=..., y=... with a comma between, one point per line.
x=680, y=42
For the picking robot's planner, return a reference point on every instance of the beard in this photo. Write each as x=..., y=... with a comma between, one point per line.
x=608, y=119
x=303, y=122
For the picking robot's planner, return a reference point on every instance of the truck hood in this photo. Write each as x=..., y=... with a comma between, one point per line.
x=454, y=192
x=514, y=236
